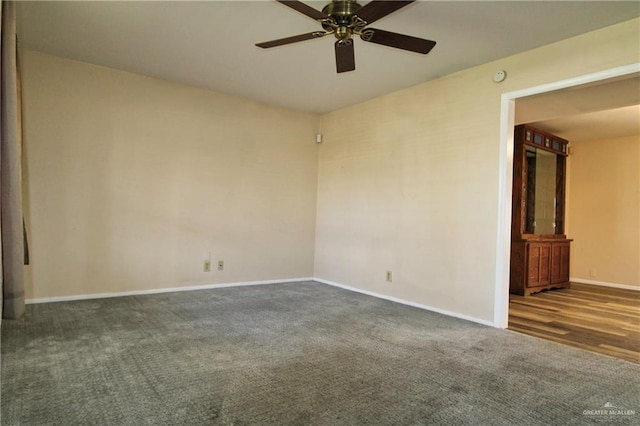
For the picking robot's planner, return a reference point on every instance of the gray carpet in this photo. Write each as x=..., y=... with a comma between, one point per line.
x=296, y=353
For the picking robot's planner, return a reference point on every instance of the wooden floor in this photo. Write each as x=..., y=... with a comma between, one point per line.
x=599, y=319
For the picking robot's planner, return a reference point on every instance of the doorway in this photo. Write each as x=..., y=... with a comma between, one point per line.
x=508, y=120
x=541, y=106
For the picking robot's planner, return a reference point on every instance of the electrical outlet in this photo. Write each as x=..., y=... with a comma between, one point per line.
x=389, y=276
x=220, y=265
x=206, y=266
x=592, y=273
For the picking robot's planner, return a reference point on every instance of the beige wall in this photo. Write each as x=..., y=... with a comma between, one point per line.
x=408, y=182
x=131, y=181
x=603, y=217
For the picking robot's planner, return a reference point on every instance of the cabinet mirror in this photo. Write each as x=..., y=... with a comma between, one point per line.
x=541, y=192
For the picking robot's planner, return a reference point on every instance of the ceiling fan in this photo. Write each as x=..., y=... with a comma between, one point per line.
x=346, y=18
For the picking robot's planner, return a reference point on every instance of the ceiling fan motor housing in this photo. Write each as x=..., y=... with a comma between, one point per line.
x=342, y=12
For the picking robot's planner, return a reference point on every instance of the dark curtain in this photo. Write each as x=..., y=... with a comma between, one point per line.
x=12, y=226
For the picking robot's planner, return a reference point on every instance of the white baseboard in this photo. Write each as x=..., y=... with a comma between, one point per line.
x=408, y=303
x=605, y=284
x=160, y=290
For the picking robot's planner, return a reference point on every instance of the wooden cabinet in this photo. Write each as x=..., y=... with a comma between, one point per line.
x=539, y=265
x=540, y=251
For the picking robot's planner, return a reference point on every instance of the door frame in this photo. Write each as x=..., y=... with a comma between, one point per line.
x=505, y=162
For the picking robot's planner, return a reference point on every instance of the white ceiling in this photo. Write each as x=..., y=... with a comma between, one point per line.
x=596, y=111
x=210, y=44
x=601, y=125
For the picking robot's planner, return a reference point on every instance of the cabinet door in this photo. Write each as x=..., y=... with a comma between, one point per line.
x=559, y=262
x=539, y=260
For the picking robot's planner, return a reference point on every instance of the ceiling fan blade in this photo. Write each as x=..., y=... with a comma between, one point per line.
x=345, y=58
x=399, y=41
x=375, y=9
x=292, y=39
x=304, y=9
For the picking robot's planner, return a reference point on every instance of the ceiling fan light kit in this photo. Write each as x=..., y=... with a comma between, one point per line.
x=346, y=18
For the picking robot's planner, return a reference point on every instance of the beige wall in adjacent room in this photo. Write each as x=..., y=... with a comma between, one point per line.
x=131, y=181
x=604, y=212
x=409, y=182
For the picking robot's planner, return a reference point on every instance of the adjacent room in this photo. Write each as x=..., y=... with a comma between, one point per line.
x=599, y=311
x=203, y=227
